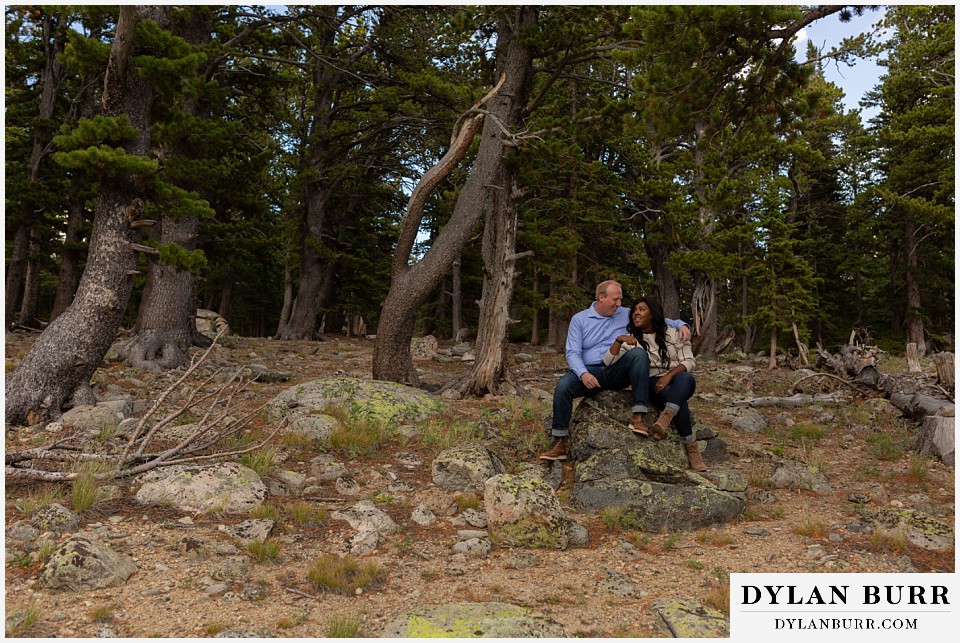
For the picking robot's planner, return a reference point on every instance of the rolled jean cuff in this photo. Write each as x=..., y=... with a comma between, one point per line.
x=640, y=408
x=555, y=433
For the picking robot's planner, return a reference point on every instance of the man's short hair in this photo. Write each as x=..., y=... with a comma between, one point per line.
x=603, y=285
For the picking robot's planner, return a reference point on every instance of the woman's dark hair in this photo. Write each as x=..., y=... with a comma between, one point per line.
x=659, y=327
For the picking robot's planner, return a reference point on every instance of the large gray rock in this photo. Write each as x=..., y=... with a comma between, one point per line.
x=424, y=347
x=387, y=402
x=795, y=475
x=465, y=467
x=81, y=564
x=615, y=468
x=919, y=528
x=364, y=516
x=228, y=487
x=90, y=419
x=314, y=426
x=745, y=419
x=524, y=512
x=472, y=620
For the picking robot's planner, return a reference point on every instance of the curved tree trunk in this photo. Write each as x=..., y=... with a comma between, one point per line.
x=411, y=285
x=69, y=351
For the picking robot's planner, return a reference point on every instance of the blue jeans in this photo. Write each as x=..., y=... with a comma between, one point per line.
x=632, y=369
x=680, y=389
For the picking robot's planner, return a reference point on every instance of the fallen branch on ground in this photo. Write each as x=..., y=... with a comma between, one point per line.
x=215, y=425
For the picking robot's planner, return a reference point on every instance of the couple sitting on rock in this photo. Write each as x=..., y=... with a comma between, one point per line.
x=610, y=347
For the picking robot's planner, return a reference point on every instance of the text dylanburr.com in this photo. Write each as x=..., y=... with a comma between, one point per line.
x=843, y=607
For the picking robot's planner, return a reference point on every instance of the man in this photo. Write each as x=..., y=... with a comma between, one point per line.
x=591, y=333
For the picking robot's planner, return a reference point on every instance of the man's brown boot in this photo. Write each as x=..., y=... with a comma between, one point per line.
x=693, y=455
x=557, y=452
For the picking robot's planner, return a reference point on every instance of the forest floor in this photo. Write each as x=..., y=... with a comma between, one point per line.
x=800, y=531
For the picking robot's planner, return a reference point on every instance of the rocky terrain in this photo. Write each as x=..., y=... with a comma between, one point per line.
x=418, y=494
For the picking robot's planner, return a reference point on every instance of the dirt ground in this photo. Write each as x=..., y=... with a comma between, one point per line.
x=798, y=531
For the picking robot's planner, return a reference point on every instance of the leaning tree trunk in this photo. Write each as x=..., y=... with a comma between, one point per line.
x=410, y=286
x=71, y=348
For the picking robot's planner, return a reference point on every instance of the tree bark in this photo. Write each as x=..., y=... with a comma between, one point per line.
x=71, y=348
x=19, y=267
x=69, y=276
x=456, y=303
x=772, y=362
x=945, y=372
x=31, y=285
x=16, y=269
x=914, y=321
x=166, y=324
x=410, y=286
x=913, y=359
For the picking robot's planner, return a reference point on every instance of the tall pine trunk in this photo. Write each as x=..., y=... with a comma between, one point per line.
x=411, y=285
x=71, y=348
x=914, y=321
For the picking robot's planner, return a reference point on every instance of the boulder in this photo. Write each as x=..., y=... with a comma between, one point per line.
x=465, y=467
x=472, y=620
x=745, y=419
x=687, y=619
x=424, y=347
x=795, y=475
x=210, y=323
x=524, y=512
x=90, y=419
x=81, y=564
x=919, y=528
x=315, y=426
x=615, y=468
x=387, y=402
x=364, y=516
x=248, y=531
x=56, y=518
x=326, y=468
x=228, y=487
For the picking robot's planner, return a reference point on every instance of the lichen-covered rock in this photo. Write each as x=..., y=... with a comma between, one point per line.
x=314, y=426
x=56, y=518
x=228, y=487
x=364, y=516
x=745, y=419
x=210, y=323
x=794, y=475
x=437, y=500
x=90, y=419
x=615, y=468
x=81, y=564
x=248, y=531
x=472, y=620
x=387, y=402
x=690, y=620
x=524, y=512
x=326, y=468
x=465, y=467
x=424, y=347
x=921, y=529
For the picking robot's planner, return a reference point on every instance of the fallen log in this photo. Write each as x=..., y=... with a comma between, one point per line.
x=793, y=401
x=918, y=405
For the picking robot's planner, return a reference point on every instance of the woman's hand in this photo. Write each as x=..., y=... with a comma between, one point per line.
x=663, y=382
x=627, y=339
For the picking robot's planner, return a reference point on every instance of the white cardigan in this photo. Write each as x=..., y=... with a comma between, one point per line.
x=680, y=352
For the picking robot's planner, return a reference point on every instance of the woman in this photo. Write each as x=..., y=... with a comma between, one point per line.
x=671, y=367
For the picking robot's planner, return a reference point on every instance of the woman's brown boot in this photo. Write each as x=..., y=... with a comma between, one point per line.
x=693, y=455
x=662, y=425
